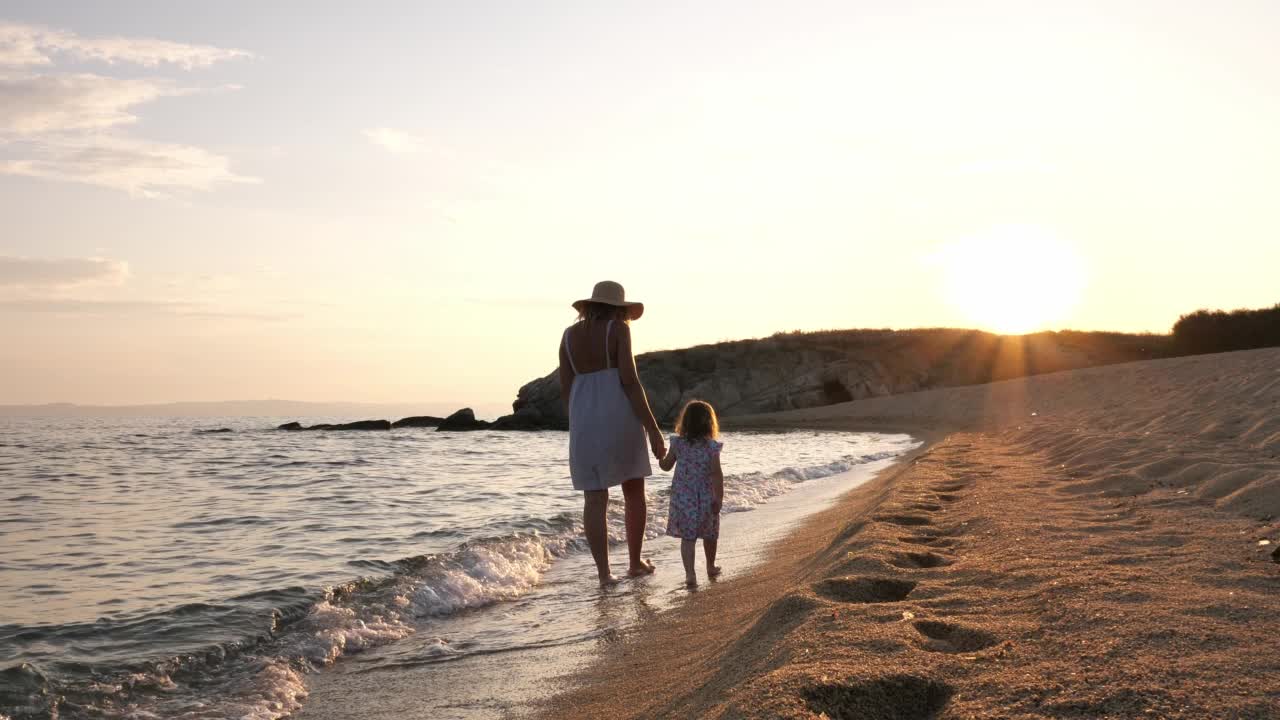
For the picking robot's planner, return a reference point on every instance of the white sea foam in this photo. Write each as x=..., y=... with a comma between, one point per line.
x=482, y=575
x=273, y=689
x=746, y=491
x=330, y=631
x=261, y=687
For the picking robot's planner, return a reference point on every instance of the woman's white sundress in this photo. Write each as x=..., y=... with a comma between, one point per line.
x=607, y=443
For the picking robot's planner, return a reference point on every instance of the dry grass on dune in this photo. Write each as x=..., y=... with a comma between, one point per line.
x=1087, y=544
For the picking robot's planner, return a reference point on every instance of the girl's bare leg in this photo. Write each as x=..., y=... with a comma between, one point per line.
x=709, y=547
x=687, y=551
x=637, y=514
x=595, y=505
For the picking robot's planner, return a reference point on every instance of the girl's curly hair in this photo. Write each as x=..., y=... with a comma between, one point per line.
x=698, y=421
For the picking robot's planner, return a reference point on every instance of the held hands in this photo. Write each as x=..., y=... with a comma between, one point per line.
x=658, y=445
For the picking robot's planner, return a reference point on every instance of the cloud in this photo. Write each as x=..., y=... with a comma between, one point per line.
x=396, y=141
x=72, y=306
x=36, y=104
x=24, y=45
x=139, y=167
x=64, y=126
x=60, y=272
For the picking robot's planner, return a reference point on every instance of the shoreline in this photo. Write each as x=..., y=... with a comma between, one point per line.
x=567, y=618
x=1080, y=544
x=730, y=602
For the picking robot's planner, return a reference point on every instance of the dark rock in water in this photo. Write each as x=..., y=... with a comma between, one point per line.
x=1275, y=555
x=215, y=430
x=463, y=420
x=418, y=421
x=530, y=418
x=541, y=399
x=359, y=425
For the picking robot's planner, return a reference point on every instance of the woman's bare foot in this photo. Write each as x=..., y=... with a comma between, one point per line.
x=691, y=580
x=609, y=580
x=713, y=571
x=645, y=567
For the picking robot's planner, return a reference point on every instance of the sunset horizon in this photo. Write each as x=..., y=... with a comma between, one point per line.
x=244, y=197
x=493, y=360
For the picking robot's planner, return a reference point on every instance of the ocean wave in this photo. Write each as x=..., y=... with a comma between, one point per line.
x=746, y=491
x=261, y=675
x=284, y=634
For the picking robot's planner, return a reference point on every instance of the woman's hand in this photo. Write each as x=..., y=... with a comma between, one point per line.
x=658, y=445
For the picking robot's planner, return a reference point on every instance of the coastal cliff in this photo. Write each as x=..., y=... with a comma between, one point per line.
x=802, y=370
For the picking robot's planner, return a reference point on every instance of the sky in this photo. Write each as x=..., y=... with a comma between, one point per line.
x=398, y=201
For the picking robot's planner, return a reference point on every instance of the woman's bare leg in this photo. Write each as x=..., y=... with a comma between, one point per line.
x=594, y=506
x=637, y=513
x=709, y=547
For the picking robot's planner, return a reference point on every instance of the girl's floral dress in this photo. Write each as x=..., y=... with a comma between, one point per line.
x=690, y=516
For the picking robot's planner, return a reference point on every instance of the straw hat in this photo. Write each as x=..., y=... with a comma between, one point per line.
x=608, y=292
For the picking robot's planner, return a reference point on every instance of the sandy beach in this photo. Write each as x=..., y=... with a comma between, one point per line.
x=1089, y=544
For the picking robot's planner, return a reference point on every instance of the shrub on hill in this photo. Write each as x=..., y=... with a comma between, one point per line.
x=1206, y=331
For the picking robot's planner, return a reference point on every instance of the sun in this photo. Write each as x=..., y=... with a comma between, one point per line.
x=1013, y=280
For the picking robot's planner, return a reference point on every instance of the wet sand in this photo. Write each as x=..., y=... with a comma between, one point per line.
x=1089, y=544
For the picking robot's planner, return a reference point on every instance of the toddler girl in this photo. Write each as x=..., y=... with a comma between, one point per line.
x=698, y=486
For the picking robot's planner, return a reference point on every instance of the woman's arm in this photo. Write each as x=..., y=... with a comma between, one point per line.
x=626, y=364
x=566, y=377
x=717, y=485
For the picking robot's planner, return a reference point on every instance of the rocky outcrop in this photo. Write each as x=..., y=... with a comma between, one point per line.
x=418, y=421
x=530, y=418
x=537, y=407
x=461, y=421
x=799, y=370
x=214, y=431
x=359, y=425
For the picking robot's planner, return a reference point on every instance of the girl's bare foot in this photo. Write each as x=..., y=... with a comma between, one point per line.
x=609, y=580
x=691, y=580
x=645, y=567
x=713, y=571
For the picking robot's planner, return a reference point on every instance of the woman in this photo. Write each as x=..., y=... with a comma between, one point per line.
x=609, y=417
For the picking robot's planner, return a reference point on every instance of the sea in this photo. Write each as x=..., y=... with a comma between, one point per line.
x=154, y=568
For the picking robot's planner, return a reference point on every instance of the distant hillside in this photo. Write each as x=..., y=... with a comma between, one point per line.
x=798, y=370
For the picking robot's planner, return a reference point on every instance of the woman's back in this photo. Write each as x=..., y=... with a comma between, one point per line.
x=592, y=345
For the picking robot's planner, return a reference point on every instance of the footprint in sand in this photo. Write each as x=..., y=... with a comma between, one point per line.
x=951, y=638
x=901, y=697
x=864, y=590
x=905, y=520
x=931, y=540
x=919, y=560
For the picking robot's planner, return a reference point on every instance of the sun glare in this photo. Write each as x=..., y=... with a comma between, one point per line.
x=1013, y=281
